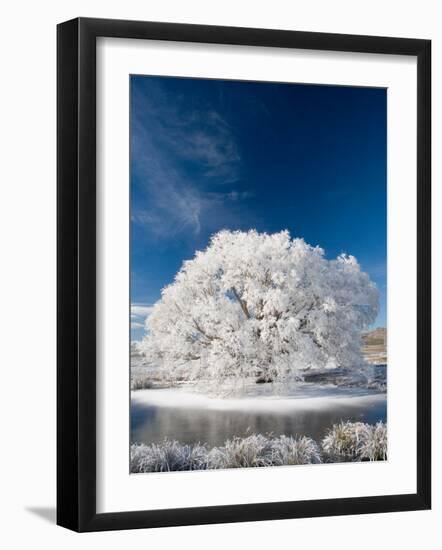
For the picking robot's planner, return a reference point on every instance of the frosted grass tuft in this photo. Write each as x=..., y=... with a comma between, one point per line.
x=355, y=441
x=255, y=450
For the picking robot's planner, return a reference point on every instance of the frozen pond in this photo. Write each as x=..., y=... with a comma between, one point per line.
x=190, y=418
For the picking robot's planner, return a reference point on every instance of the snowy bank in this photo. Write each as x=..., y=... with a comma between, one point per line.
x=305, y=396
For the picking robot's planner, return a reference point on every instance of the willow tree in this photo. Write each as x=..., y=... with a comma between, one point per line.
x=259, y=306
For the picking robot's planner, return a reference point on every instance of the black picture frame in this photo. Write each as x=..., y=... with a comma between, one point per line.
x=76, y=274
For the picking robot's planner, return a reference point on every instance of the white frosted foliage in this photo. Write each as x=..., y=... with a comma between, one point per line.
x=260, y=306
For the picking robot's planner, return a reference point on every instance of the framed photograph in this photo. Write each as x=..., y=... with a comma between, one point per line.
x=243, y=274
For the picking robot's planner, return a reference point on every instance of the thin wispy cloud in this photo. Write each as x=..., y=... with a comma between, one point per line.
x=140, y=310
x=139, y=314
x=183, y=158
x=209, y=141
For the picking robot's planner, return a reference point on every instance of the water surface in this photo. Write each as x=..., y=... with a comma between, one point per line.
x=160, y=414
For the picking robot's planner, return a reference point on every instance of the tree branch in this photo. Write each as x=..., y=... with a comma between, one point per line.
x=204, y=333
x=241, y=303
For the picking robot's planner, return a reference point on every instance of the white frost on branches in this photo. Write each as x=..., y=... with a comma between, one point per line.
x=260, y=306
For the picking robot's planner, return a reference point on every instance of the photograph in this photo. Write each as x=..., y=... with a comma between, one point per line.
x=258, y=257
x=220, y=220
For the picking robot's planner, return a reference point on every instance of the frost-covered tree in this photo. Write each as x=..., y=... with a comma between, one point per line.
x=260, y=306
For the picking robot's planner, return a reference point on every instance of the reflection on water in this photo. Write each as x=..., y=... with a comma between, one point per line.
x=153, y=423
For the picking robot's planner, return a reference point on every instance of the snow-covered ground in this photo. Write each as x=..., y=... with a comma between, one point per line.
x=305, y=396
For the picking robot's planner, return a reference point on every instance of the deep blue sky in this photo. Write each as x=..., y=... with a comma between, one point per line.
x=214, y=154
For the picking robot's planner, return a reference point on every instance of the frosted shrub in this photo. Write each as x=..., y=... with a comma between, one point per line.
x=258, y=451
x=342, y=440
x=347, y=441
x=356, y=441
x=288, y=451
x=374, y=446
x=140, y=382
x=167, y=457
x=252, y=451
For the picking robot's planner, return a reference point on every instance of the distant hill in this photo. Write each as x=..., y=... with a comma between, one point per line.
x=375, y=346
